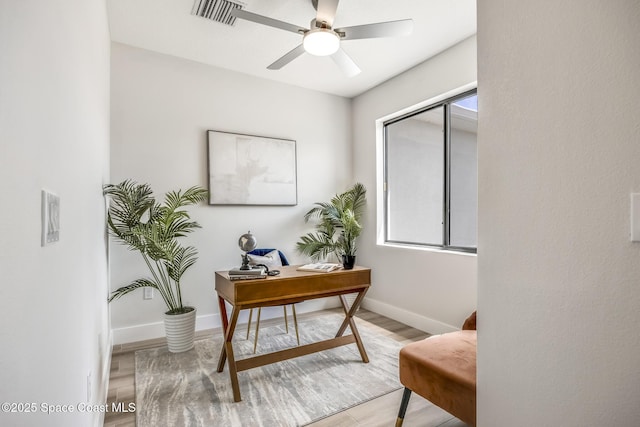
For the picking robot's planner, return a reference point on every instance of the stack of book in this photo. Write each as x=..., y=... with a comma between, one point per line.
x=254, y=273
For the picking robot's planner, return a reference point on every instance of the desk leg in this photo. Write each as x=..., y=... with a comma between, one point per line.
x=233, y=371
x=227, y=353
x=348, y=320
x=349, y=313
x=225, y=327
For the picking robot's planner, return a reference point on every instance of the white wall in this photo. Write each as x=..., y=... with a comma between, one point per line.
x=162, y=107
x=559, y=144
x=431, y=290
x=54, y=131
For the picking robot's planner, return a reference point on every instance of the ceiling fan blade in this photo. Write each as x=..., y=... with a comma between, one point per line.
x=288, y=57
x=404, y=27
x=253, y=17
x=327, y=11
x=345, y=63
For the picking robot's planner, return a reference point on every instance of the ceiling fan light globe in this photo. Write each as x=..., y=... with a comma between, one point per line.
x=321, y=42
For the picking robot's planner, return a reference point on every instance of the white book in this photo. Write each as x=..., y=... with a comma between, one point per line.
x=323, y=267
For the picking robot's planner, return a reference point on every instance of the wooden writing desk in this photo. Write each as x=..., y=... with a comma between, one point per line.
x=291, y=286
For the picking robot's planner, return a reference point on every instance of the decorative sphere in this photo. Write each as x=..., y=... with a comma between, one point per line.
x=247, y=242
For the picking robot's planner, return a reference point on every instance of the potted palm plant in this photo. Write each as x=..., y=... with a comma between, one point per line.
x=152, y=229
x=338, y=227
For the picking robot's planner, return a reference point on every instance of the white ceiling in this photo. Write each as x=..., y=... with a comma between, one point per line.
x=168, y=27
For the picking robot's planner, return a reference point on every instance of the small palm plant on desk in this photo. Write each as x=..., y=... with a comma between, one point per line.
x=339, y=225
x=152, y=229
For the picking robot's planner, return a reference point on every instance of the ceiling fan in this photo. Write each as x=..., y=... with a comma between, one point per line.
x=324, y=40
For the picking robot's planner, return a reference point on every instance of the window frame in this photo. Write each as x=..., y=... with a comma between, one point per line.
x=446, y=208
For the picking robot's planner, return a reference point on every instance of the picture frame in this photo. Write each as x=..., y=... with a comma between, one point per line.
x=251, y=170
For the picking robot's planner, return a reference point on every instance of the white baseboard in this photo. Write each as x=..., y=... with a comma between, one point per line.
x=147, y=331
x=141, y=332
x=104, y=378
x=414, y=320
x=210, y=321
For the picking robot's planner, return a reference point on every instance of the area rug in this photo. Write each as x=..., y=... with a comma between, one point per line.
x=185, y=390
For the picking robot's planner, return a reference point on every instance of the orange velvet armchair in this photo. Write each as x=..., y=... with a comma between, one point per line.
x=442, y=369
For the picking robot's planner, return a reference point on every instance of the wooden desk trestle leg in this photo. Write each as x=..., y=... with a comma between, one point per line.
x=225, y=327
x=227, y=350
x=348, y=320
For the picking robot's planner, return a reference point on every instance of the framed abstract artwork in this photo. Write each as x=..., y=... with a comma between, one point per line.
x=251, y=170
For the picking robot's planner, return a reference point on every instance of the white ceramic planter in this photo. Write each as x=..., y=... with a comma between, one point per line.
x=180, y=330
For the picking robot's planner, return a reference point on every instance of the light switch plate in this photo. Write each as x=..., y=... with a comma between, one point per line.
x=635, y=217
x=50, y=218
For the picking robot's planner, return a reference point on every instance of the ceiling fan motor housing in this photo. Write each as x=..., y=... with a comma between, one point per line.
x=321, y=41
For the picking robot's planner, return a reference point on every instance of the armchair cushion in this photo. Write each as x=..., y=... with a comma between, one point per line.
x=442, y=369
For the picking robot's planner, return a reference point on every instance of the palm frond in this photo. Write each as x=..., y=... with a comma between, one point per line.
x=130, y=201
x=317, y=211
x=358, y=199
x=182, y=260
x=136, y=284
x=178, y=199
x=180, y=226
x=317, y=246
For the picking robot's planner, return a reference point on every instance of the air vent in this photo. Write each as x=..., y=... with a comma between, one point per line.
x=217, y=10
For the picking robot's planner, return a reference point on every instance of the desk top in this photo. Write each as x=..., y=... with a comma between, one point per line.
x=291, y=286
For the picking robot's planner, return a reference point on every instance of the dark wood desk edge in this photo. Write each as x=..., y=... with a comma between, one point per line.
x=299, y=273
x=294, y=298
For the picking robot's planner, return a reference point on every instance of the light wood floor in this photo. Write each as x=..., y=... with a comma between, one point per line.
x=380, y=412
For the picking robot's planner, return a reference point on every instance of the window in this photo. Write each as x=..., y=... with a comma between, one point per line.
x=431, y=164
